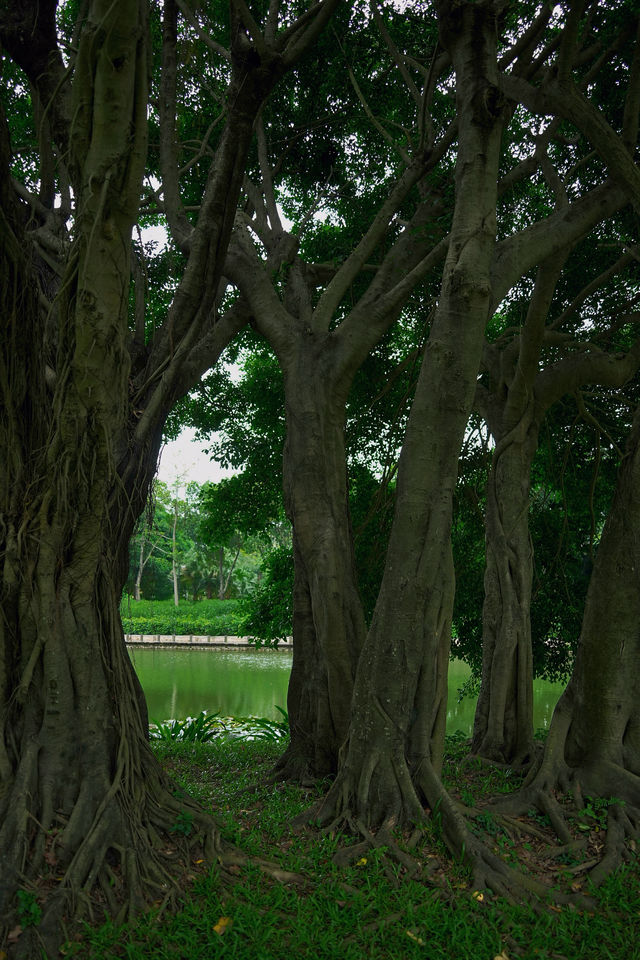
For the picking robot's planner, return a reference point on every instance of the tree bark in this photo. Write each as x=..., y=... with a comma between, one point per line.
x=593, y=746
x=522, y=394
x=503, y=725
x=391, y=761
x=328, y=621
x=87, y=817
x=84, y=805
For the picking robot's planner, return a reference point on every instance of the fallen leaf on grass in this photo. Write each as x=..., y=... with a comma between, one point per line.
x=14, y=934
x=223, y=924
x=478, y=895
x=501, y=956
x=413, y=937
x=361, y=862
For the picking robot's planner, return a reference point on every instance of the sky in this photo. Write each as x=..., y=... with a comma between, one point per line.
x=182, y=461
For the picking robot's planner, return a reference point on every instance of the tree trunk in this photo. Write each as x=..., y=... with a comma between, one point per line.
x=221, y=573
x=88, y=821
x=174, y=557
x=392, y=757
x=86, y=812
x=593, y=746
x=521, y=395
x=503, y=726
x=140, y=571
x=227, y=581
x=328, y=621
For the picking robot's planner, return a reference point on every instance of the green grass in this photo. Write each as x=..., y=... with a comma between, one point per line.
x=364, y=911
x=204, y=617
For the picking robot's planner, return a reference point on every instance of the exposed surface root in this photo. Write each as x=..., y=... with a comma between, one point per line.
x=442, y=818
x=129, y=858
x=567, y=799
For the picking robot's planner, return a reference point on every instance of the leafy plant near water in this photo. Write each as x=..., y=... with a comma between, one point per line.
x=223, y=626
x=201, y=729
x=207, y=727
x=261, y=728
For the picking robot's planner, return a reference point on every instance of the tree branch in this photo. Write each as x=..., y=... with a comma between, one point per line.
x=350, y=268
x=267, y=178
x=632, y=100
x=252, y=277
x=396, y=56
x=202, y=33
x=590, y=288
x=369, y=112
x=570, y=373
x=180, y=227
x=566, y=101
x=298, y=37
x=516, y=255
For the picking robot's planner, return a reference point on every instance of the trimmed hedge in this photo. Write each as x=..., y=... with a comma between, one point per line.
x=200, y=619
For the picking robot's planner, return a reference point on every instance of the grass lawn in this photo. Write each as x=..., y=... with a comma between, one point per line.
x=367, y=910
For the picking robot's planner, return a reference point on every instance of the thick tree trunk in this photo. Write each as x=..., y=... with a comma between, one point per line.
x=503, y=726
x=85, y=811
x=88, y=822
x=593, y=747
x=328, y=621
x=392, y=758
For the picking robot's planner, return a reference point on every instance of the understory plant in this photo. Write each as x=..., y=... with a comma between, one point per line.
x=207, y=727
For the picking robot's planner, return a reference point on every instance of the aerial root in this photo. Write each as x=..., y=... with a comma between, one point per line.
x=575, y=846
x=518, y=826
x=621, y=824
x=124, y=862
x=623, y=820
x=381, y=840
x=550, y=806
x=233, y=858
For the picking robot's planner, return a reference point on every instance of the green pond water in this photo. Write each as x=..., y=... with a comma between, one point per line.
x=250, y=683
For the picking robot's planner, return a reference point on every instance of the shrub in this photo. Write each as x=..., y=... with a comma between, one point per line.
x=207, y=727
x=201, y=729
x=269, y=617
x=206, y=618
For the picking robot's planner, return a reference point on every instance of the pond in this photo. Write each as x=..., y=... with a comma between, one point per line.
x=244, y=682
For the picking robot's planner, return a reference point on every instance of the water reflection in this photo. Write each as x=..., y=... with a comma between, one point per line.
x=233, y=682
x=248, y=682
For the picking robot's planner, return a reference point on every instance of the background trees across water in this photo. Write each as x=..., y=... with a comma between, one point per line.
x=400, y=282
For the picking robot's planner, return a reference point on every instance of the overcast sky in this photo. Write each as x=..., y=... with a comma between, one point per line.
x=183, y=461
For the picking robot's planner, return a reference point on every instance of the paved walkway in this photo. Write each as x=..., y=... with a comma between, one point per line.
x=190, y=640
